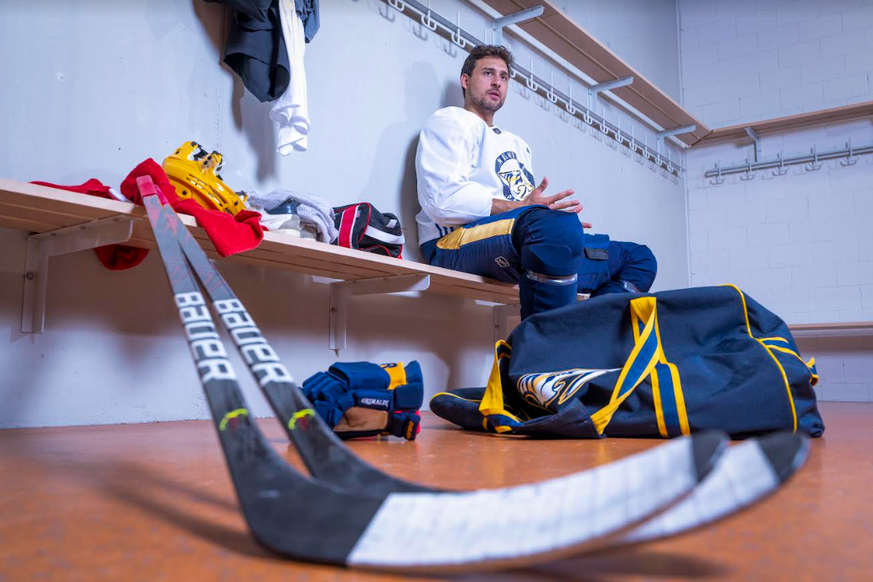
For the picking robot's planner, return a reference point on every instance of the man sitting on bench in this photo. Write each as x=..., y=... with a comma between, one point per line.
x=482, y=214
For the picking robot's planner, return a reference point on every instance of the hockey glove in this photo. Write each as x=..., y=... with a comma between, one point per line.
x=360, y=399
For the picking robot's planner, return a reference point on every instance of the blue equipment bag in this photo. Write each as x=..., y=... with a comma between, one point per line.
x=654, y=365
x=359, y=399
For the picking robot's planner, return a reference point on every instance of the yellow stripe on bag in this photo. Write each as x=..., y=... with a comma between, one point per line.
x=647, y=344
x=492, y=401
x=659, y=409
x=455, y=396
x=656, y=384
x=678, y=395
x=809, y=364
x=464, y=236
x=766, y=347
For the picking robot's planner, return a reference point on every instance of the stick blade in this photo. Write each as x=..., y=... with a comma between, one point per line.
x=746, y=473
x=532, y=523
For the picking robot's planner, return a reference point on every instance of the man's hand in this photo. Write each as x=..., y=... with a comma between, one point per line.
x=556, y=202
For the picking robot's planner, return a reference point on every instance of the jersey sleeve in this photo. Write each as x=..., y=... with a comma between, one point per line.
x=443, y=164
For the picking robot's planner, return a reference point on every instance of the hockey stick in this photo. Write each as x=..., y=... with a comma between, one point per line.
x=323, y=453
x=745, y=473
x=310, y=520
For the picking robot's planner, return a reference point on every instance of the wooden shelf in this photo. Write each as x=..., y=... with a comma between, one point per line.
x=789, y=123
x=565, y=37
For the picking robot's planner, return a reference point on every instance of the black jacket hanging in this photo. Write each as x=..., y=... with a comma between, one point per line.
x=255, y=48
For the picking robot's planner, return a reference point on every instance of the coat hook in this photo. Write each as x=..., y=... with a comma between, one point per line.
x=531, y=84
x=748, y=174
x=852, y=159
x=458, y=38
x=718, y=179
x=571, y=109
x=397, y=4
x=646, y=151
x=427, y=21
x=814, y=165
x=782, y=170
x=551, y=93
x=618, y=135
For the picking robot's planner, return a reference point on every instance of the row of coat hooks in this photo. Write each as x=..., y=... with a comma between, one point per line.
x=812, y=162
x=463, y=39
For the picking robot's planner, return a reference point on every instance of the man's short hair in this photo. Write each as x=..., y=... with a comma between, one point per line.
x=482, y=51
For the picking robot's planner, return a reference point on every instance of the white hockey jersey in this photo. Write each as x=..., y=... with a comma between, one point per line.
x=462, y=165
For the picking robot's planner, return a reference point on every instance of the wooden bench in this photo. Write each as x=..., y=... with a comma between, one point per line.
x=64, y=222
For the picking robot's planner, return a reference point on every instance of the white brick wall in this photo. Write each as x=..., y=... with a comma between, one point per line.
x=741, y=59
x=802, y=244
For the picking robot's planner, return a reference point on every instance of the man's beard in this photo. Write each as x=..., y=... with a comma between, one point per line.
x=486, y=104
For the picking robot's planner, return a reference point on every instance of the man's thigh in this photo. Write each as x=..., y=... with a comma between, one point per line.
x=481, y=248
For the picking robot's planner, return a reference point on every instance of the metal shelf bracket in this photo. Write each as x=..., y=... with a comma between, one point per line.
x=502, y=313
x=340, y=291
x=593, y=90
x=675, y=131
x=498, y=24
x=40, y=247
x=757, y=139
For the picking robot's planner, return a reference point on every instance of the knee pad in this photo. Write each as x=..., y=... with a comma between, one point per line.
x=637, y=269
x=643, y=256
x=551, y=244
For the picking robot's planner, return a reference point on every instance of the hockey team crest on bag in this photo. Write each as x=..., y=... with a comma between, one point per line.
x=660, y=365
x=363, y=227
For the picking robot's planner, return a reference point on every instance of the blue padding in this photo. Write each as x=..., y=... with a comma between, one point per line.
x=408, y=397
x=404, y=424
x=320, y=384
x=328, y=412
x=550, y=242
x=413, y=373
x=362, y=375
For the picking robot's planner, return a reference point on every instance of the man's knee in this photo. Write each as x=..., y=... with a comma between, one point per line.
x=641, y=268
x=550, y=242
x=644, y=259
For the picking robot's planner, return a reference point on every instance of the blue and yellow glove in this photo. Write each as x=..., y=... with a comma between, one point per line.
x=359, y=399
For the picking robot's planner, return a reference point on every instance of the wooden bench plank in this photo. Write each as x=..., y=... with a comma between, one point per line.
x=35, y=208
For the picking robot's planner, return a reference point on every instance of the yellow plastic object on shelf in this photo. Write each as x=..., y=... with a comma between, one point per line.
x=194, y=174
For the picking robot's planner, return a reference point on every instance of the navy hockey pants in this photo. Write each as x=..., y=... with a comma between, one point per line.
x=547, y=253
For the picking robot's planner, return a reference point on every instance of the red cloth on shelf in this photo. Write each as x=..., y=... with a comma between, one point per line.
x=113, y=257
x=230, y=234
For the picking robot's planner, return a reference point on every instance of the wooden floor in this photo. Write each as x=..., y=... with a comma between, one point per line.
x=154, y=502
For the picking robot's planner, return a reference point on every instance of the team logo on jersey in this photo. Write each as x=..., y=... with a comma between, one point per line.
x=555, y=388
x=517, y=180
